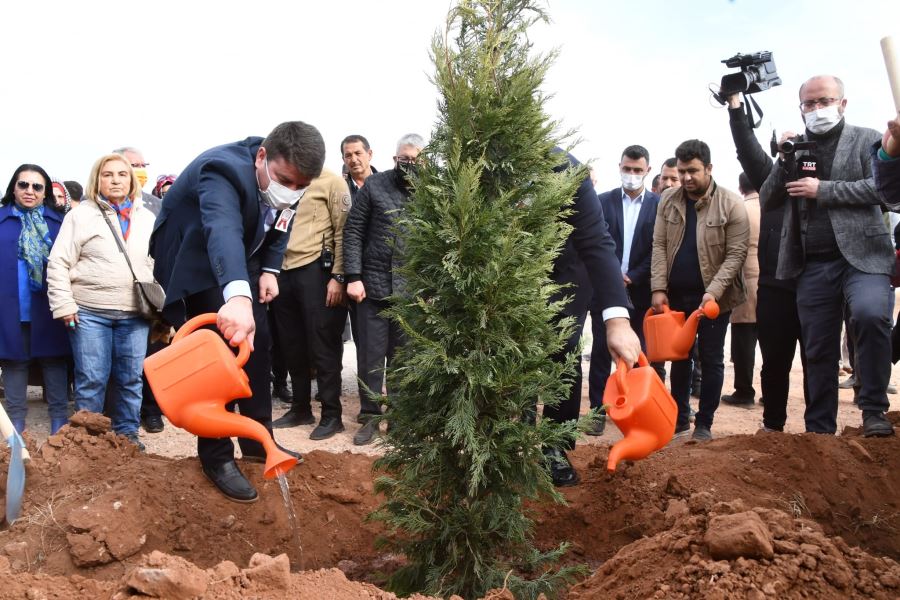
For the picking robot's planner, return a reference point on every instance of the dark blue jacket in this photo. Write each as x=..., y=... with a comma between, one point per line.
x=887, y=178
x=642, y=241
x=588, y=259
x=48, y=336
x=210, y=224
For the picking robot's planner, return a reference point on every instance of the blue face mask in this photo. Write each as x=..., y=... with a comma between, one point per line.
x=278, y=196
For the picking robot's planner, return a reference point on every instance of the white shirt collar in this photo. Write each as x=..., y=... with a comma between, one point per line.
x=639, y=198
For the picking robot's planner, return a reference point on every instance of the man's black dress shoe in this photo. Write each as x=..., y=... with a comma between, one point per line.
x=875, y=424
x=231, y=482
x=598, y=427
x=292, y=418
x=561, y=470
x=281, y=391
x=261, y=458
x=153, y=424
x=327, y=428
x=736, y=400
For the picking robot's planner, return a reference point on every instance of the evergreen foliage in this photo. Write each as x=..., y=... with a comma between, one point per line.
x=479, y=236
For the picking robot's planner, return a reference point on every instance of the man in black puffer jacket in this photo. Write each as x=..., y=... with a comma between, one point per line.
x=369, y=265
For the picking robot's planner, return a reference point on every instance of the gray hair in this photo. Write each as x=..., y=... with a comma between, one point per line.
x=121, y=151
x=411, y=139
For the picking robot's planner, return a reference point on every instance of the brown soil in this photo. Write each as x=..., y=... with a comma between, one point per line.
x=101, y=520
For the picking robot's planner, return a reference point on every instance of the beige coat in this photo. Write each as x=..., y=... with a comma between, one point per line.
x=319, y=221
x=746, y=312
x=86, y=267
x=723, y=233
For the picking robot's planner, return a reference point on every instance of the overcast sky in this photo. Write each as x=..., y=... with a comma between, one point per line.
x=175, y=78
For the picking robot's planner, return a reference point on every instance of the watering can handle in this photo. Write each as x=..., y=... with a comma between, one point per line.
x=650, y=312
x=210, y=319
x=622, y=369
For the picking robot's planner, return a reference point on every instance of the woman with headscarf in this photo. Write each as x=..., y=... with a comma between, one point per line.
x=27, y=329
x=163, y=183
x=62, y=201
x=92, y=291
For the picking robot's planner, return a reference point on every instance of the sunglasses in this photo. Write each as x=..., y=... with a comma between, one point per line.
x=24, y=185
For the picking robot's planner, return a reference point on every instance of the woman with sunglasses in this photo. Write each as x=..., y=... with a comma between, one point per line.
x=28, y=331
x=92, y=292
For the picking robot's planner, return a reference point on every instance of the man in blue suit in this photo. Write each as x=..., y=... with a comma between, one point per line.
x=630, y=211
x=218, y=244
x=587, y=262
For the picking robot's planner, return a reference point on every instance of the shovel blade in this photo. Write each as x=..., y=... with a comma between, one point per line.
x=15, y=478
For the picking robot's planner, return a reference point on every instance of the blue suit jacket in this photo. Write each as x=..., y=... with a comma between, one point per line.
x=588, y=258
x=48, y=336
x=210, y=224
x=642, y=241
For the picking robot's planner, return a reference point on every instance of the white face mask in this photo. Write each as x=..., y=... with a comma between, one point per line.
x=278, y=196
x=632, y=182
x=824, y=119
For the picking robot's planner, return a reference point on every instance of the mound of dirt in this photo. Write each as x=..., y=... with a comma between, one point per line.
x=723, y=551
x=95, y=509
x=93, y=503
x=160, y=575
x=848, y=484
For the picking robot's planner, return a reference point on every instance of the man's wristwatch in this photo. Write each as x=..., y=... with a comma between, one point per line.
x=338, y=277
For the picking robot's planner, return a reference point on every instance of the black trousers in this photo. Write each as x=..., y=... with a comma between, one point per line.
x=378, y=338
x=778, y=330
x=279, y=364
x=310, y=336
x=601, y=366
x=822, y=289
x=710, y=344
x=216, y=451
x=149, y=407
x=743, y=356
x=569, y=407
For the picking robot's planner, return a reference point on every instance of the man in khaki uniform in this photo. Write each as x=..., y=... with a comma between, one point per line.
x=699, y=246
x=310, y=310
x=743, y=317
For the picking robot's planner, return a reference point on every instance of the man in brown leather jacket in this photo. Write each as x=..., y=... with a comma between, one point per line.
x=700, y=243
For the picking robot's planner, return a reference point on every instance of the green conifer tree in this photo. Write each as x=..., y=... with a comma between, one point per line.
x=479, y=236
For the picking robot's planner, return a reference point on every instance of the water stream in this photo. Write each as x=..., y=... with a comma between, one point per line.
x=291, y=514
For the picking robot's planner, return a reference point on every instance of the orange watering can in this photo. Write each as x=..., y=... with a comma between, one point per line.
x=196, y=376
x=669, y=337
x=642, y=408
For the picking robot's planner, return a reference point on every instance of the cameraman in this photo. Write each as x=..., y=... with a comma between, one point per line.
x=835, y=245
x=777, y=320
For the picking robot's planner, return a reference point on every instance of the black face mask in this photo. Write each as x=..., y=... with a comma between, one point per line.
x=405, y=172
x=408, y=169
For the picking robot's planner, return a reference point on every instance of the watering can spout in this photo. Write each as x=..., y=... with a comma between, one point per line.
x=636, y=445
x=196, y=376
x=642, y=408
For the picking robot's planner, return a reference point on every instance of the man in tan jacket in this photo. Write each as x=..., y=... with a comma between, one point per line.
x=699, y=246
x=310, y=310
x=743, y=317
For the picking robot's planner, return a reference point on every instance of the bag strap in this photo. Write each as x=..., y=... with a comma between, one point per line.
x=118, y=241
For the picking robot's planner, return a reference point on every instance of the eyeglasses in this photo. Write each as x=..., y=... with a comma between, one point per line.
x=139, y=165
x=405, y=160
x=24, y=185
x=808, y=105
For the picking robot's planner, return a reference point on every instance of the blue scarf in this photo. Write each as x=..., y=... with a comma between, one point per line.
x=34, y=244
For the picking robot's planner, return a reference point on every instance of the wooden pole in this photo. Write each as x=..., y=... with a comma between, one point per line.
x=892, y=64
